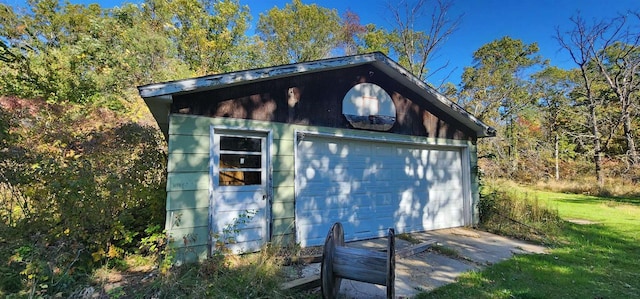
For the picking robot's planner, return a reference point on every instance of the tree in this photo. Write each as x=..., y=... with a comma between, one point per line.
x=605, y=53
x=416, y=46
x=375, y=39
x=148, y=53
x=497, y=90
x=357, y=38
x=619, y=64
x=554, y=86
x=298, y=32
x=80, y=54
x=351, y=31
x=210, y=35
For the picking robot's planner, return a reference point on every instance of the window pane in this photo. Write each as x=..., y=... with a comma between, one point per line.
x=240, y=178
x=240, y=161
x=240, y=144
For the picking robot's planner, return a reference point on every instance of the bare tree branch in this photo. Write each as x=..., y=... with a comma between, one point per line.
x=417, y=46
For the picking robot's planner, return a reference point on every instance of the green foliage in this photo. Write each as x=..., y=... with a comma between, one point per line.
x=210, y=35
x=6, y=122
x=495, y=88
x=298, y=32
x=498, y=90
x=250, y=276
x=154, y=241
x=82, y=54
x=76, y=194
x=375, y=39
x=222, y=275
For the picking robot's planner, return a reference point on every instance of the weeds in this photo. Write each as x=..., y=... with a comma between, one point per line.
x=222, y=275
x=254, y=275
x=446, y=251
x=614, y=187
x=408, y=237
x=518, y=214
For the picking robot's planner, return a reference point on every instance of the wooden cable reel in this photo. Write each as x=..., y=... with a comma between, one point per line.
x=363, y=265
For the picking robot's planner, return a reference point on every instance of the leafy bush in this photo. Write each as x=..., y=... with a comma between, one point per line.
x=79, y=188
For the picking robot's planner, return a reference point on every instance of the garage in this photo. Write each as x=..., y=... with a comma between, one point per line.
x=274, y=156
x=371, y=186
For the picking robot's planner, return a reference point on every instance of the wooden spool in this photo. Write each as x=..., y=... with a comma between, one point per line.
x=363, y=265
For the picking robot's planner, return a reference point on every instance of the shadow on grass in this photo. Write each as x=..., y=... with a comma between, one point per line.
x=593, y=261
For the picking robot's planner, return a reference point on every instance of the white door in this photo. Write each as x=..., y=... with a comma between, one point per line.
x=239, y=205
x=371, y=186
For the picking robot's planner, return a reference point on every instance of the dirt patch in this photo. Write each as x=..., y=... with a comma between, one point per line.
x=111, y=283
x=582, y=221
x=464, y=232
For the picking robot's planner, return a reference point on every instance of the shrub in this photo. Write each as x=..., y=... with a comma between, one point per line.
x=79, y=188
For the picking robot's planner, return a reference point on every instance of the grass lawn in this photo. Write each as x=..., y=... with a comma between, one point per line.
x=600, y=260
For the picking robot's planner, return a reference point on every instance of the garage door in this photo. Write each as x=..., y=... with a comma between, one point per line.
x=371, y=186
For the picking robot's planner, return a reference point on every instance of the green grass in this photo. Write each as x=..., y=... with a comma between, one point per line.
x=587, y=261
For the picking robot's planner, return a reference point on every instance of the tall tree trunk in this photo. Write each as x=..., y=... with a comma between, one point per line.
x=556, y=154
x=512, y=153
x=597, y=146
x=628, y=135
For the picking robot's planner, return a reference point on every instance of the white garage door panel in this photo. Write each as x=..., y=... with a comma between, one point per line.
x=371, y=186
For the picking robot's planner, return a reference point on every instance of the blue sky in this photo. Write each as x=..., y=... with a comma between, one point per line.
x=486, y=20
x=482, y=22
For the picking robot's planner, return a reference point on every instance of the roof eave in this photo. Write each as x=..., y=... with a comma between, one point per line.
x=397, y=72
x=159, y=107
x=255, y=75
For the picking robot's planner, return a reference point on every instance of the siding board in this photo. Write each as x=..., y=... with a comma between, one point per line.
x=188, y=144
x=284, y=209
x=283, y=226
x=188, y=181
x=185, y=162
x=190, y=237
x=283, y=193
x=188, y=218
x=283, y=162
x=187, y=199
x=318, y=98
x=189, y=126
x=283, y=178
x=191, y=254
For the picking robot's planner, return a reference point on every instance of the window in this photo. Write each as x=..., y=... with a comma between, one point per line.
x=240, y=161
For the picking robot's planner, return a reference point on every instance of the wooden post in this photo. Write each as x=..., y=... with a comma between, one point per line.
x=362, y=265
x=391, y=264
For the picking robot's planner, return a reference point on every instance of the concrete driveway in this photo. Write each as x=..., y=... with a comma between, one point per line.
x=428, y=270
